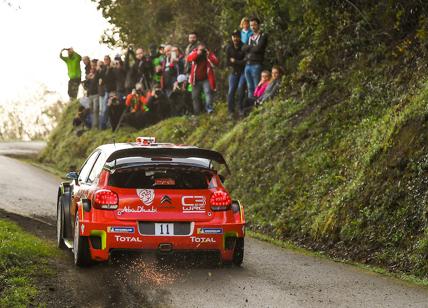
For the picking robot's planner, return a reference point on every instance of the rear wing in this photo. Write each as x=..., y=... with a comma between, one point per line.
x=168, y=152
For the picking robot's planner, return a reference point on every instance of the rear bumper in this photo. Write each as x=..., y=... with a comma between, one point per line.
x=104, y=238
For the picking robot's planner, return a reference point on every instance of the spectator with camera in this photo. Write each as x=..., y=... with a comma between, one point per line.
x=202, y=77
x=74, y=73
x=255, y=52
x=236, y=61
x=147, y=109
x=181, y=99
x=133, y=100
x=159, y=106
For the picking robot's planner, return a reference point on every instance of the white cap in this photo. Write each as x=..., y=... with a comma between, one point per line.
x=181, y=78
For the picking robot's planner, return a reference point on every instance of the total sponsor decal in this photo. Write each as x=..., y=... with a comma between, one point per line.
x=138, y=209
x=209, y=231
x=146, y=195
x=201, y=240
x=120, y=229
x=127, y=239
x=193, y=204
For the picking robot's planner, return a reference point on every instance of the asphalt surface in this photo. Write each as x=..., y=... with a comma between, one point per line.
x=269, y=277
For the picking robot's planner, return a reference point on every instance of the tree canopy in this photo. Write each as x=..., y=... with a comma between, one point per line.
x=302, y=33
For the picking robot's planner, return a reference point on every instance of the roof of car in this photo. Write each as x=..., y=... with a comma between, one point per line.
x=126, y=153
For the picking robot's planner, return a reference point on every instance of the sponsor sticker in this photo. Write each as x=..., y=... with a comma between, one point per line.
x=139, y=209
x=127, y=239
x=210, y=231
x=201, y=240
x=120, y=229
x=146, y=195
x=193, y=204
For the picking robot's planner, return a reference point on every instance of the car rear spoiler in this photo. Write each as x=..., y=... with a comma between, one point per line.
x=150, y=152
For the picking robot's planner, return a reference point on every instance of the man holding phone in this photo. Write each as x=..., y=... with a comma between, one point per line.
x=172, y=67
x=74, y=73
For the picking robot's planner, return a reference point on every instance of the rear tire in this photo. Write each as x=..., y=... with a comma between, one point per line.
x=82, y=255
x=60, y=225
x=238, y=252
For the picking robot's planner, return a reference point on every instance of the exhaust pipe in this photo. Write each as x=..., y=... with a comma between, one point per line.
x=165, y=247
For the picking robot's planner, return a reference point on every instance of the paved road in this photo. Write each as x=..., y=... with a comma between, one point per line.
x=24, y=189
x=269, y=277
x=17, y=148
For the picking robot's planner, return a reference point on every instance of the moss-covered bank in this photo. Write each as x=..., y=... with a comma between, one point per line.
x=339, y=162
x=349, y=178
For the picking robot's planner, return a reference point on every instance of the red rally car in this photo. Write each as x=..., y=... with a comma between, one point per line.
x=149, y=196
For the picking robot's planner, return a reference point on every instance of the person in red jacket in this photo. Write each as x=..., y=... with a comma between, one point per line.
x=202, y=77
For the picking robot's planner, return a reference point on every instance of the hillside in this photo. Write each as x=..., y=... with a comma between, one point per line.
x=339, y=162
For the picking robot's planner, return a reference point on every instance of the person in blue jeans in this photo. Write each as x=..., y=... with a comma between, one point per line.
x=255, y=53
x=108, y=78
x=202, y=77
x=236, y=61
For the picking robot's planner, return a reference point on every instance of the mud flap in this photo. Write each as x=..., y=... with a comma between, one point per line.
x=66, y=205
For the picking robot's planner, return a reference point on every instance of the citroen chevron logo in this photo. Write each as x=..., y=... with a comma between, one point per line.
x=166, y=199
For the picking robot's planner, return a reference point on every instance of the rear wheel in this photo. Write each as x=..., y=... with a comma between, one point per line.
x=238, y=252
x=60, y=225
x=82, y=255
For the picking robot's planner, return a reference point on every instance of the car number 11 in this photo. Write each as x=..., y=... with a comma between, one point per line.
x=164, y=229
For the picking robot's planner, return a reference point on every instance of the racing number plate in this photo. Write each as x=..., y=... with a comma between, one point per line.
x=164, y=229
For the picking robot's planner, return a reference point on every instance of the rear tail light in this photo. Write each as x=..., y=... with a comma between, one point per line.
x=105, y=200
x=220, y=201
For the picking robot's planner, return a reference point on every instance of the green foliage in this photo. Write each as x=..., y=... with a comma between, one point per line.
x=338, y=162
x=23, y=257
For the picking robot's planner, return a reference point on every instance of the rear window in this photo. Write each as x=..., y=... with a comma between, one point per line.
x=161, y=178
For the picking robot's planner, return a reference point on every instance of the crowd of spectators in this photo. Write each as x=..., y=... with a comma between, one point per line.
x=144, y=86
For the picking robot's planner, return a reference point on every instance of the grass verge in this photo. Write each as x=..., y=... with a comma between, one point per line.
x=23, y=260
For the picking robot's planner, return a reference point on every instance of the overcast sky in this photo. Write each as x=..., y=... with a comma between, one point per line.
x=33, y=33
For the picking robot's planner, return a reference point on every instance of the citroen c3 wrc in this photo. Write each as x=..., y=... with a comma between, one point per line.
x=149, y=196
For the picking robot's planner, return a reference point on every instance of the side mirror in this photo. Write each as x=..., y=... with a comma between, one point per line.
x=222, y=178
x=72, y=176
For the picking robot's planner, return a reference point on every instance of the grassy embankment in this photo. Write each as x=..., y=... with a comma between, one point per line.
x=23, y=263
x=339, y=169
x=339, y=162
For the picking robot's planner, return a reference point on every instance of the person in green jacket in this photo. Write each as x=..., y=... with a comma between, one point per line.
x=73, y=66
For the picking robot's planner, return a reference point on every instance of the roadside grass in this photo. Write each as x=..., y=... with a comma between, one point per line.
x=23, y=260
